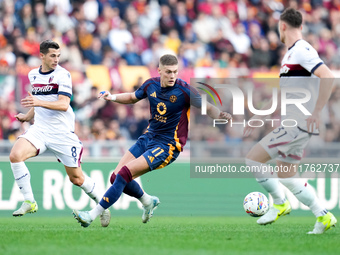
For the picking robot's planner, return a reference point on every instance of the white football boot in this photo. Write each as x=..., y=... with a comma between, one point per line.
x=323, y=223
x=26, y=207
x=105, y=218
x=275, y=212
x=148, y=210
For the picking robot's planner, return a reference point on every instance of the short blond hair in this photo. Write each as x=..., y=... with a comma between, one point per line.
x=168, y=60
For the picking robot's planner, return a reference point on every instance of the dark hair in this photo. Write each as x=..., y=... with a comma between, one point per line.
x=45, y=45
x=168, y=60
x=292, y=17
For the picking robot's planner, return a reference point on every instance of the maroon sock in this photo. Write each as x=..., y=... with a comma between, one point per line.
x=112, y=178
x=126, y=174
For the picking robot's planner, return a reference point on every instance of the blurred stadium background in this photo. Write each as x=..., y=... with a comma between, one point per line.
x=115, y=45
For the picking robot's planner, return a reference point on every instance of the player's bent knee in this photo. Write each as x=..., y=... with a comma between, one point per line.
x=15, y=157
x=78, y=181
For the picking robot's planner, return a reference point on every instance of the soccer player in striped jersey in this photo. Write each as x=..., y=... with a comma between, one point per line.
x=53, y=129
x=301, y=68
x=170, y=100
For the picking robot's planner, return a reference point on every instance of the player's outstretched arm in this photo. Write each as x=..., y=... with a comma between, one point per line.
x=215, y=113
x=122, y=98
x=25, y=117
x=61, y=104
x=325, y=91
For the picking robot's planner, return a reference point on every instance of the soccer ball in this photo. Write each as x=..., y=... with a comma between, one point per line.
x=256, y=204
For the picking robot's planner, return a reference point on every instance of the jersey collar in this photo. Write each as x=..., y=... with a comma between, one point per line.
x=293, y=44
x=44, y=73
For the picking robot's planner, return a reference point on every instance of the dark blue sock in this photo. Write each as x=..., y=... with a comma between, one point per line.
x=113, y=193
x=132, y=188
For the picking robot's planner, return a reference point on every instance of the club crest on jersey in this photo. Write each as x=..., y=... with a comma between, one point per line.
x=284, y=69
x=51, y=79
x=173, y=98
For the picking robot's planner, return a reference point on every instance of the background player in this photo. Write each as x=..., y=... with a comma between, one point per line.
x=53, y=129
x=287, y=144
x=163, y=141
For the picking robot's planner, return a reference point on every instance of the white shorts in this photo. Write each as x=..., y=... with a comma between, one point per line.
x=67, y=147
x=286, y=144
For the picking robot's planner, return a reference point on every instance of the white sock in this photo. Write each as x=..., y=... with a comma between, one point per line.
x=23, y=179
x=96, y=211
x=146, y=199
x=267, y=181
x=89, y=186
x=304, y=194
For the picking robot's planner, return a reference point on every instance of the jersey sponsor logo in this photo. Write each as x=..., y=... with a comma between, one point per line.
x=153, y=94
x=160, y=118
x=173, y=98
x=44, y=89
x=151, y=158
x=161, y=108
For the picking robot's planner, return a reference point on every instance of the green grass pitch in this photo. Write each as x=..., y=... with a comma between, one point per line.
x=36, y=235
